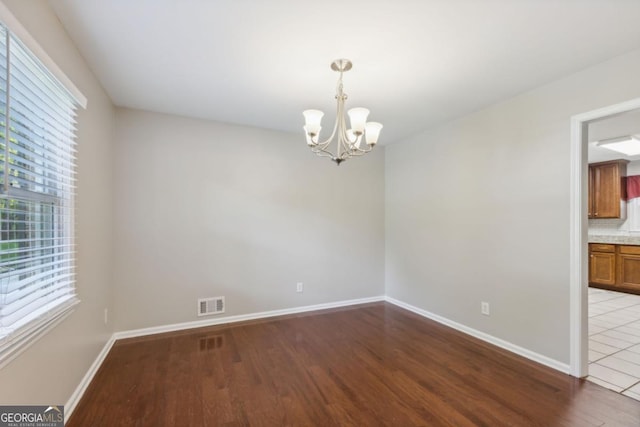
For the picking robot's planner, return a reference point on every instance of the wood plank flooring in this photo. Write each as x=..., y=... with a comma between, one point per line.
x=369, y=365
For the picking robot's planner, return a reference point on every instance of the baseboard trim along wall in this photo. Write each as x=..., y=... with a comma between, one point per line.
x=521, y=351
x=241, y=318
x=93, y=369
x=86, y=380
x=82, y=387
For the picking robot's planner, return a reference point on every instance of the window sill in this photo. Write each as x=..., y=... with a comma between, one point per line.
x=16, y=342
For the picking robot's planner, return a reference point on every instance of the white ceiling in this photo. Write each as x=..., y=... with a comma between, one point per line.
x=416, y=63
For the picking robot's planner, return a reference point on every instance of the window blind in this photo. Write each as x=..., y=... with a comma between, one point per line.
x=37, y=182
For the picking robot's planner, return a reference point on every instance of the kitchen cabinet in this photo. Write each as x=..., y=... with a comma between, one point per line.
x=602, y=264
x=628, y=263
x=607, y=190
x=614, y=267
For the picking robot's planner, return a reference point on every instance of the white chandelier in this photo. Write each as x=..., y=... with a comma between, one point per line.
x=349, y=140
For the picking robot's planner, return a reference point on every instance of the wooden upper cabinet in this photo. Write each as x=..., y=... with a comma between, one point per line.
x=607, y=190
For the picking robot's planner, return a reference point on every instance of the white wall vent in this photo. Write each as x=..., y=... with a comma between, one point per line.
x=207, y=306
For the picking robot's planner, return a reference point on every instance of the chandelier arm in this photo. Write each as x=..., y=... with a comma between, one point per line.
x=319, y=149
x=323, y=153
x=346, y=153
x=355, y=151
x=351, y=148
x=326, y=142
x=342, y=132
x=364, y=151
x=344, y=140
x=333, y=134
x=360, y=152
x=340, y=101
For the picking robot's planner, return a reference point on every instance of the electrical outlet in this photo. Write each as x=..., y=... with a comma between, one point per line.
x=106, y=316
x=484, y=308
x=299, y=287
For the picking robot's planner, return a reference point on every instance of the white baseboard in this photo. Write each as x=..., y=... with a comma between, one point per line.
x=240, y=318
x=521, y=351
x=79, y=391
x=86, y=380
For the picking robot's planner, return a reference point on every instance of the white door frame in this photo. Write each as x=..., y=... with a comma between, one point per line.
x=578, y=276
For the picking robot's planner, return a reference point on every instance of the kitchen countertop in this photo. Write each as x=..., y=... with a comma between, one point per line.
x=615, y=240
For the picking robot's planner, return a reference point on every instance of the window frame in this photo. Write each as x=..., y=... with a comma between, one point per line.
x=50, y=315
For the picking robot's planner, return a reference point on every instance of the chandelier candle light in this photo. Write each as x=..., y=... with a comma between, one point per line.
x=349, y=140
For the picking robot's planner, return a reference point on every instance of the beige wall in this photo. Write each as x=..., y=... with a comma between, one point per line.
x=208, y=209
x=478, y=210
x=50, y=370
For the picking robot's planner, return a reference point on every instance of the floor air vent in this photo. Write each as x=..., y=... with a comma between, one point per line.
x=207, y=306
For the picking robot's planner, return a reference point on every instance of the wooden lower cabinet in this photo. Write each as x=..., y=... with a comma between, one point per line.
x=628, y=261
x=602, y=268
x=614, y=267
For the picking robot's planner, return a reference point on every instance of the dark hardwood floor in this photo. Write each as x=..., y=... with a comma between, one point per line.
x=370, y=365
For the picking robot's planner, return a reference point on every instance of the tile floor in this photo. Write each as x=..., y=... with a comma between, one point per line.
x=614, y=341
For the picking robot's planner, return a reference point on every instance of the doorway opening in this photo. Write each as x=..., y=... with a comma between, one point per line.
x=579, y=252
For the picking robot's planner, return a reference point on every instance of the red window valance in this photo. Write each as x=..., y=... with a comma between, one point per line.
x=633, y=187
